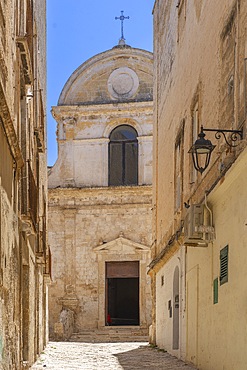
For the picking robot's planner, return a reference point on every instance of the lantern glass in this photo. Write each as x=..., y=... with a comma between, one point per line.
x=201, y=152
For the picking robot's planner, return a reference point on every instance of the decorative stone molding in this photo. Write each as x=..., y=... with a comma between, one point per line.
x=123, y=83
x=119, y=244
x=9, y=129
x=60, y=112
x=3, y=68
x=22, y=43
x=113, y=123
x=122, y=249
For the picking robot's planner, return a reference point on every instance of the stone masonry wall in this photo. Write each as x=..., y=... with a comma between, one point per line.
x=79, y=221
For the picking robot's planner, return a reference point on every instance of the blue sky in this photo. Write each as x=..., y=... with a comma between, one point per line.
x=79, y=29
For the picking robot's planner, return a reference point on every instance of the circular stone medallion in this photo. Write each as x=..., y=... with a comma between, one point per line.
x=123, y=83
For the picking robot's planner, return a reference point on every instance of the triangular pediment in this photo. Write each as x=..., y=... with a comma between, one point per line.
x=121, y=244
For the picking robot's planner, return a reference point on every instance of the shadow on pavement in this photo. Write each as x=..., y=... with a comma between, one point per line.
x=146, y=357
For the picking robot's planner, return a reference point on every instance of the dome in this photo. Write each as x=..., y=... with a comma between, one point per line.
x=122, y=74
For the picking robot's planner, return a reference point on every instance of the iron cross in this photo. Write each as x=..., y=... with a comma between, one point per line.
x=122, y=18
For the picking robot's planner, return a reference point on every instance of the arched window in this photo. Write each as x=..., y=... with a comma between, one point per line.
x=123, y=156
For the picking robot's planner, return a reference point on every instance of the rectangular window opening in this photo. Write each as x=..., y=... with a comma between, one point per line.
x=162, y=280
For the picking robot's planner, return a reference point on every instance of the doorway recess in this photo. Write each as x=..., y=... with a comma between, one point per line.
x=122, y=293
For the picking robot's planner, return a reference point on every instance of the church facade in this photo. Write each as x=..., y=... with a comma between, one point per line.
x=100, y=196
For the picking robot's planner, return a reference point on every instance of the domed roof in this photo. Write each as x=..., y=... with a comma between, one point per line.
x=118, y=75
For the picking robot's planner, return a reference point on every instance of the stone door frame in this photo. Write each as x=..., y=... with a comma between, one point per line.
x=122, y=249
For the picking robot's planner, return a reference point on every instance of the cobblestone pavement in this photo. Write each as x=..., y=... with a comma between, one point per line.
x=107, y=356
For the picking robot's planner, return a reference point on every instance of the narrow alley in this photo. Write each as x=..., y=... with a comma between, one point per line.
x=110, y=356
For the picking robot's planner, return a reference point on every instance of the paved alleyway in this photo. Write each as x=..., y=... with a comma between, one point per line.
x=106, y=356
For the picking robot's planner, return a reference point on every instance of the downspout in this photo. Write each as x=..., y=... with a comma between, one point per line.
x=211, y=224
x=182, y=311
x=209, y=210
x=157, y=130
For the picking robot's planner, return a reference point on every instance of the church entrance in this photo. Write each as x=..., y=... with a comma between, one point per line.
x=122, y=293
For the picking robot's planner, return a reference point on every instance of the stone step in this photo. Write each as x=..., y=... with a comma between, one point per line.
x=111, y=335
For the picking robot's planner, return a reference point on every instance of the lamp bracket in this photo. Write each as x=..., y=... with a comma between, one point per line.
x=233, y=137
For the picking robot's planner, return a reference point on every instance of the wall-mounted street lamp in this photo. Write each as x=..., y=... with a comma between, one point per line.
x=201, y=150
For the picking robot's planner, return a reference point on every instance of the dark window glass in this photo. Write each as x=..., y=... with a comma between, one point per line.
x=123, y=156
x=115, y=164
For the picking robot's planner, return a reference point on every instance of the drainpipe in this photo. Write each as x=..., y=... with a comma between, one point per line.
x=182, y=303
x=209, y=210
x=211, y=224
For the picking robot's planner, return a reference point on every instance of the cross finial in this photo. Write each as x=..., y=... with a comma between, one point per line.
x=122, y=18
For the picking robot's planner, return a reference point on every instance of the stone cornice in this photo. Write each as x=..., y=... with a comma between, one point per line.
x=119, y=109
x=113, y=189
x=147, y=138
x=102, y=196
x=10, y=130
x=86, y=140
x=168, y=250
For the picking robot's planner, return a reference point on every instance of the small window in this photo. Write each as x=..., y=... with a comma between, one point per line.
x=170, y=308
x=215, y=287
x=224, y=265
x=162, y=280
x=123, y=156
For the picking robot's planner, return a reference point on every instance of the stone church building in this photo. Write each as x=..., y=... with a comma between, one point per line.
x=100, y=196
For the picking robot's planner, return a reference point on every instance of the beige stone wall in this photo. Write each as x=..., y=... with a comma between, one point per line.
x=23, y=183
x=86, y=228
x=199, y=58
x=186, y=81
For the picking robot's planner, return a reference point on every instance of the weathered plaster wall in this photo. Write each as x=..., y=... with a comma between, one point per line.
x=224, y=321
x=165, y=305
x=188, y=80
x=199, y=75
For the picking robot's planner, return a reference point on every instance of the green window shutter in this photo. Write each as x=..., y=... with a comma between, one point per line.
x=224, y=265
x=216, y=290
